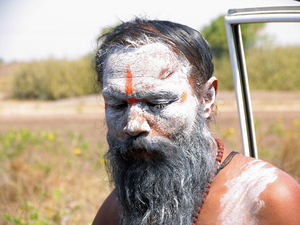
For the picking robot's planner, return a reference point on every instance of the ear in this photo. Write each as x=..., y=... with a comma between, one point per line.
x=208, y=96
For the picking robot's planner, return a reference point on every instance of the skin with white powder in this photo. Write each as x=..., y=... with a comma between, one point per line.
x=250, y=191
x=147, y=87
x=242, y=202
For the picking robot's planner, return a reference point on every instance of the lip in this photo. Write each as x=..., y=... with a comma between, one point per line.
x=141, y=155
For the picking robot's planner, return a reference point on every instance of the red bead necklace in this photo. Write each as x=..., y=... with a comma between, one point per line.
x=211, y=179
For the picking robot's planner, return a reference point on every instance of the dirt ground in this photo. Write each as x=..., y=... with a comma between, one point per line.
x=85, y=115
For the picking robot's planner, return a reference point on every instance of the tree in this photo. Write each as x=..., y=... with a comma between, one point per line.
x=215, y=34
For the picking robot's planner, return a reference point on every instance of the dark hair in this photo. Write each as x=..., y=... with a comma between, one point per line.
x=184, y=41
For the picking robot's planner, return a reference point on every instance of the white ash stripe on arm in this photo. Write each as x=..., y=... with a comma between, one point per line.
x=241, y=202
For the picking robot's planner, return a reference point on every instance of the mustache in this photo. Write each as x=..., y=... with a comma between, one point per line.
x=156, y=148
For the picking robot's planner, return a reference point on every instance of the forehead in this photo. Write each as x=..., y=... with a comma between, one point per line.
x=151, y=60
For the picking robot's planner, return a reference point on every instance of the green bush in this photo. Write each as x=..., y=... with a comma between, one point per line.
x=54, y=79
x=224, y=73
x=274, y=68
x=268, y=69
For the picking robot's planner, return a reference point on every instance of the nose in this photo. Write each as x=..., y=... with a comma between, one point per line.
x=137, y=122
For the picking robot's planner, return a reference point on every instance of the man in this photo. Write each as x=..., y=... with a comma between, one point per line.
x=159, y=93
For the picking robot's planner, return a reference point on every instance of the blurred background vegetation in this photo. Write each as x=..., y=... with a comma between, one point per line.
x=47, y=178
x=268, y=66
x=50, y=79
x=53, y=79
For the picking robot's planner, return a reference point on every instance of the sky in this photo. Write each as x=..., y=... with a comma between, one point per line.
x=39, y=29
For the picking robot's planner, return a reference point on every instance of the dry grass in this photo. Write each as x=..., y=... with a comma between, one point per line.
x=44, y=181
x=277, y=143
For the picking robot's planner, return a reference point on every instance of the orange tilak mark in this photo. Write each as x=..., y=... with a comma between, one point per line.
x=132, y=101
x=128, y=85
x=183, y=97
x=105, y=106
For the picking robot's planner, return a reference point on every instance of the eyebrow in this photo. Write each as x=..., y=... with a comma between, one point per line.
x=158, y=94
x=166, y=72
x=111, y=92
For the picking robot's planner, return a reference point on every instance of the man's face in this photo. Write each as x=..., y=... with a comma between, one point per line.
x=160, y=152
x=147, y=92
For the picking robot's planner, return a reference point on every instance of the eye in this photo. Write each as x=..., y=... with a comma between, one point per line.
x=118, y=106
x=158, y=105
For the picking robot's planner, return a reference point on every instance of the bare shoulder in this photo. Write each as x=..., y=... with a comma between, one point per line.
x=108, y=213
x=275, y=194
x=282, y=201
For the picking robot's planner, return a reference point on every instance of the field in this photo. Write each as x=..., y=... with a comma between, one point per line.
x=51, y=152
x=51, y=161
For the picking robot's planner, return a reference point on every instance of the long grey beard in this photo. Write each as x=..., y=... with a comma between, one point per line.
x=166, y=187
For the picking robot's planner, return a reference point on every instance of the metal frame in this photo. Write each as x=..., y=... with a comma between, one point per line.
x=233, y=20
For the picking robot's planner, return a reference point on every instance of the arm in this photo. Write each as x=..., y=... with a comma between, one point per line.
x=108, y=213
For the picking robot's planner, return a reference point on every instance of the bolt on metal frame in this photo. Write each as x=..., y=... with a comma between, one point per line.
x=233, y=20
